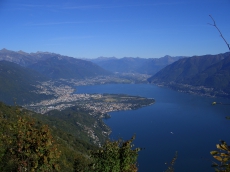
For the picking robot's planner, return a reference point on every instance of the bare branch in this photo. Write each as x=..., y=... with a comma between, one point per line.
x=213, y=21
x=214, y=24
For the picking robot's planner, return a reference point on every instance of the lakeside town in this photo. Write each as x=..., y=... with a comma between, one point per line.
x=96, y=105
x=191, y=89
x=65, y=96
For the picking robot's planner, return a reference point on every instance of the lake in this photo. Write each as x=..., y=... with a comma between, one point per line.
x=180, y=122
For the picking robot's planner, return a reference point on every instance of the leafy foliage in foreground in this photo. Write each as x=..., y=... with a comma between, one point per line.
x=222, y=155
x=115, y=156
x=27, y=146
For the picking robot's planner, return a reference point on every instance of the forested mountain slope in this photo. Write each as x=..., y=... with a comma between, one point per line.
x=210, y=71
x=17, y=82
x=68, y=145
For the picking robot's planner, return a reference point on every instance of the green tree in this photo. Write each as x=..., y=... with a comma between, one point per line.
x=81, y=164
x=116, y=156
x=27, y=146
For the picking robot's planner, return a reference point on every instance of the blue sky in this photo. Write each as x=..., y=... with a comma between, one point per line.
x=119, y=28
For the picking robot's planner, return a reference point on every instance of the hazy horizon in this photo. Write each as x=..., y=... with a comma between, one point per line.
x=104, y=56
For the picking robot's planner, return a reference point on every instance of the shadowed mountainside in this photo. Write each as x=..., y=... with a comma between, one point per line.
x=57, y=67
x=18, y=82
x=211, y=71
x=21, y=71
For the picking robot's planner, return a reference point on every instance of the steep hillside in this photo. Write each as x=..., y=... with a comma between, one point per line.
x=21, y=71
x=153, y=65
x=57, y=67
x=68, y=142
x=210, y=71
x=217, y=75
x=134, y=65
x=17, y=82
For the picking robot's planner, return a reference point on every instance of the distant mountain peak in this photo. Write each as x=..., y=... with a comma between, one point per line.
x=167, y=56
x=42, y=52
x=134, y=64
x=38, y=52
x=4, y=50
x=131, y=57
x=22, y=52
x=102, y=58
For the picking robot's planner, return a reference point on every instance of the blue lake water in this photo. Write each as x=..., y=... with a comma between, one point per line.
x=197, y=126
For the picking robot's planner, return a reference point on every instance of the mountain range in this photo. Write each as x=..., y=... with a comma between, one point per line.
x=148, y=66
x=22, y=58
x=20, y=72
x=209, y=71
x=54, y=66
x=57, y=67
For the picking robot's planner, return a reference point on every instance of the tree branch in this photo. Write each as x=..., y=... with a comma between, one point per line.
x=214, y=24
